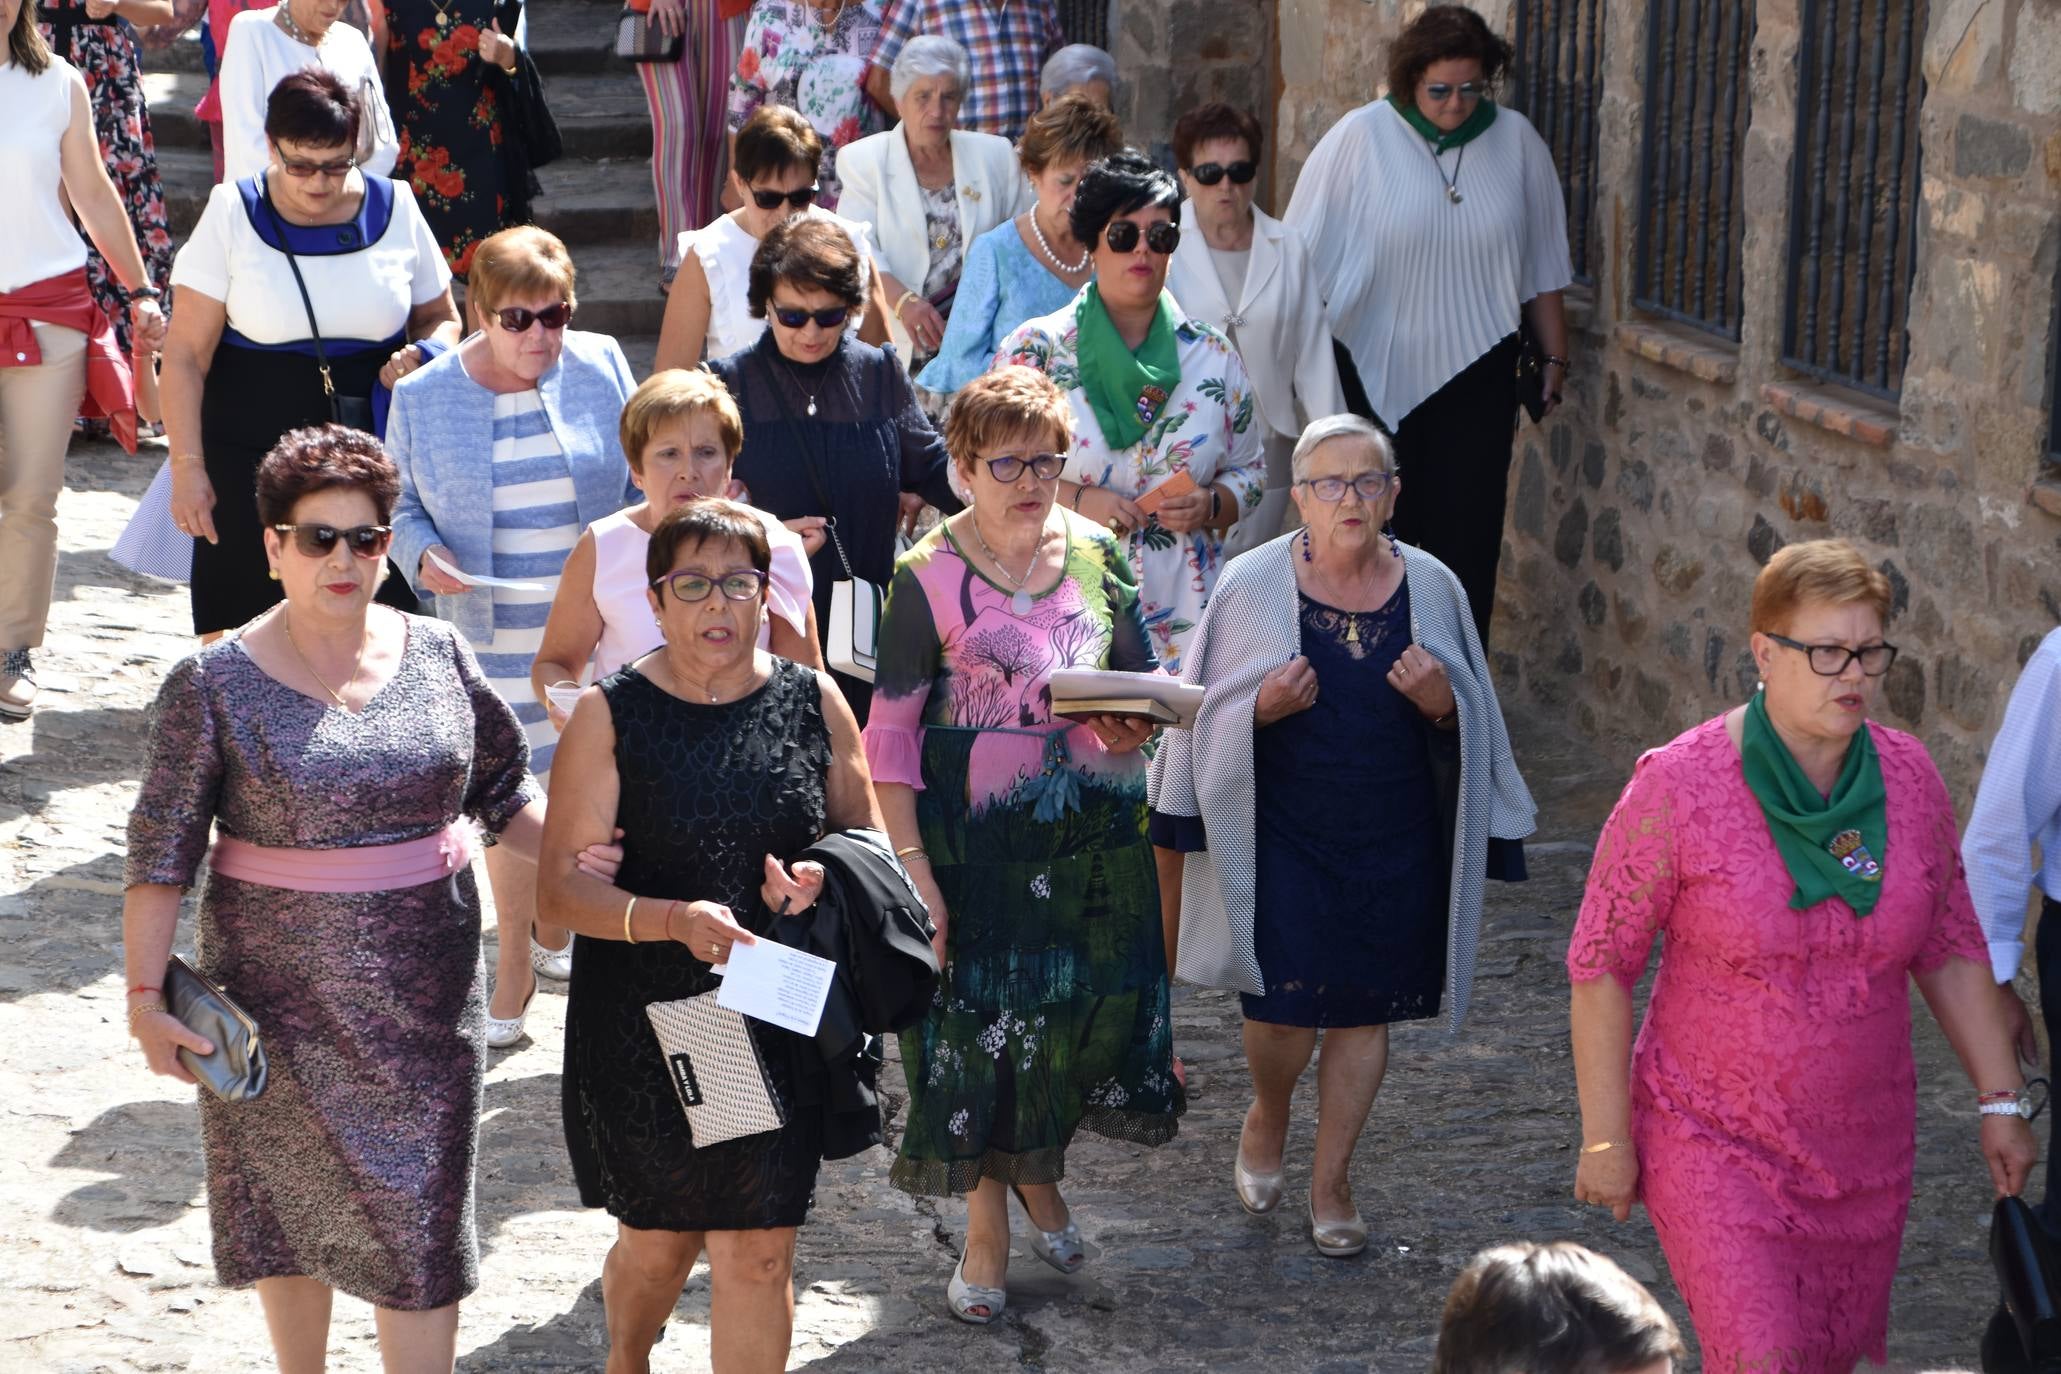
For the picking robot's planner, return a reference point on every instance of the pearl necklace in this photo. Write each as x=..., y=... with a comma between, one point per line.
x=1039, y=234
x=297, y=34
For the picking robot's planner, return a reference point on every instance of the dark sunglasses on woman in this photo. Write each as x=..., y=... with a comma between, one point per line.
x=315, y=541
x=1442, y=91
x=1163, y=237
x=833, y=318
x=799, y=197
x=517, y=320
x=1210, y=173
x=300, y=169
x=1044, y=466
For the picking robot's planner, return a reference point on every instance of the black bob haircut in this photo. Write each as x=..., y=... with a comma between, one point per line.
x=1121, y=184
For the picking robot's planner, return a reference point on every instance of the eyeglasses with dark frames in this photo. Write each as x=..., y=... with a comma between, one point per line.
x=1007, y=467
x=1442, y=91
x=1370, y=486
x=1210, y=173
x=517, y=320
x=835, y=317
x=741, y=585
x=300, y=169
x=1163, y=237
x=800, y=197
x=1830, y=660
x=315, y=541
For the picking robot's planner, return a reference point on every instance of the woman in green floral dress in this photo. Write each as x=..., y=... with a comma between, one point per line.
x=1025, y=834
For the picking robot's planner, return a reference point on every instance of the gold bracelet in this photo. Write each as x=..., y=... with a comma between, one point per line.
x=1600, y=1146
x=142, y=1008
x=915, y=850
x=905, y=298
x=629, y=908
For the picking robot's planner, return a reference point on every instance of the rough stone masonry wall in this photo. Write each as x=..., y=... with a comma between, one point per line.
x=1640, y=514
x=1178, y=54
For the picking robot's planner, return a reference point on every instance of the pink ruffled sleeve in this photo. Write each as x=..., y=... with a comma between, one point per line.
x=909, y=655
x=1632, y=882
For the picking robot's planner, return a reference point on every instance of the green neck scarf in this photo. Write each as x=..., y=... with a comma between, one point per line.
x=1127, y=390
x=1483, y=116
x=1832, y=846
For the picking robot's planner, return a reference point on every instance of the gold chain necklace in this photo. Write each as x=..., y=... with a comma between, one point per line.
x=356, y=663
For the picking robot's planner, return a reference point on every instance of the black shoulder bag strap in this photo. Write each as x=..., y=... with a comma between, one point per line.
x=807, y=449
x=352, y=411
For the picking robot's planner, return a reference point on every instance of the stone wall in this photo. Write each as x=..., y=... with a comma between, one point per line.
x=1642, y=511
x=1178, y=54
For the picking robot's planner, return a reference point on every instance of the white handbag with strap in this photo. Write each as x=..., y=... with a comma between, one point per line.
x=714, y=1065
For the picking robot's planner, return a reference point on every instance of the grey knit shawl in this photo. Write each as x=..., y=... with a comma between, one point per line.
x=1251, y=627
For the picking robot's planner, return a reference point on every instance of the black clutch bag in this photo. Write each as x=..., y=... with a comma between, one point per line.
x=2027, y=1271
x=235, y=1072
x=1531, y=374
x=637, y=39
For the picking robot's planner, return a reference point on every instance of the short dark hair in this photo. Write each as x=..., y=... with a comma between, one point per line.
x=1550, y=1309
x=1440, y=34
x=775, y=140
x=1120, y=184
x=808, y=252
x=1216, y=120
x=313, y=108
x=306, y=461
x=705, y=520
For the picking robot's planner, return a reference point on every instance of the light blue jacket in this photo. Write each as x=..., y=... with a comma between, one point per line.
x=441, y=435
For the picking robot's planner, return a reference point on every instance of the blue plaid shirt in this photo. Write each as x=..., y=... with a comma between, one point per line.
x=1008, y=47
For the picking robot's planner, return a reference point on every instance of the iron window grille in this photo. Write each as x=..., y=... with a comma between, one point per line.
x=1557, y=84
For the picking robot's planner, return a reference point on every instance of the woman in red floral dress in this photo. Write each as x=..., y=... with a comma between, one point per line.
x=447, y=107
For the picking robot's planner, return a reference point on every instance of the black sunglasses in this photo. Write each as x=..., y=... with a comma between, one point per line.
x=1009, y=467
x=1163, y=237
x=301, y=169
x=836, y=317
x=799, y=198
x=517, y=320
x=315, y=541
x=1210, y=173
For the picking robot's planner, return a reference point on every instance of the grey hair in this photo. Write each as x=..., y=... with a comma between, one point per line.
x=1319, y=432
x=925, y=56
x=1076, y=64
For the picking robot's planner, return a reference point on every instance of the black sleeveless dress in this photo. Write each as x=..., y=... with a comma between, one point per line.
x=707, y=793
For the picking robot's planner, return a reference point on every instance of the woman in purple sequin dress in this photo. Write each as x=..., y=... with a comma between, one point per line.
x=323, y=728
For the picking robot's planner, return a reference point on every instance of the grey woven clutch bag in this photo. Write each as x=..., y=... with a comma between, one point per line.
x=716, y=1071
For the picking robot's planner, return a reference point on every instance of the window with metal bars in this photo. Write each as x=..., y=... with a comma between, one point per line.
x=1692, y=219
x=1085, y=21
x=1557, y=82
x=1853, y=208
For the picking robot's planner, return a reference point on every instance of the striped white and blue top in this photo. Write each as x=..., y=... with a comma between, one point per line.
x=536, y=523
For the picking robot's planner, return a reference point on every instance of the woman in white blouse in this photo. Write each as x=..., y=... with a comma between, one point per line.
x=1432, y=218
x=773, y=166
x=926, y=190
x=1248, y=274
x=264, y=46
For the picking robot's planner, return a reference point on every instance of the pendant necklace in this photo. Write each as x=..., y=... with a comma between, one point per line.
x=286, y=621
x=792, y=376
x=1023, y=602
x=1052, y=257
x=1452, y=184
x=443, y=15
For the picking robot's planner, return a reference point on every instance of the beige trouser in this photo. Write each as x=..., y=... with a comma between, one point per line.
x=37, y=406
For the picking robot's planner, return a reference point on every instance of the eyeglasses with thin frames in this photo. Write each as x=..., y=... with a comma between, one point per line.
x=1369, y=485
x=1830, y=660
x=1163, y=237
x=300, y=169
x=315, y=540
x=1007, y=467
x=741, y=585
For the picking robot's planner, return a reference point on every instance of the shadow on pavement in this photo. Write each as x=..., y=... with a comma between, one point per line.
x=152, y=1148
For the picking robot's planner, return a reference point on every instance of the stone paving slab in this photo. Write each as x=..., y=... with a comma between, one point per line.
x=104, y=1262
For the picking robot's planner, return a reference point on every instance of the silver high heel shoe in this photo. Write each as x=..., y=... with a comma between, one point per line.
x=964, y=1297
x=1258, y=1194
x=1062, y=1248
x=1337, y=1239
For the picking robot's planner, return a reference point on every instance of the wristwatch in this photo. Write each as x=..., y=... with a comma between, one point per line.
x=141, y=293
x=2020, y=1106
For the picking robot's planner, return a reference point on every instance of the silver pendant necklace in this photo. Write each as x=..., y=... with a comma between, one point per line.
x=1452, y=184
x=1022, y=603
x=794, y=377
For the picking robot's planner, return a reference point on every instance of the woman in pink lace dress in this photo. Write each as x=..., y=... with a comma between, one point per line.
x=1803, y=866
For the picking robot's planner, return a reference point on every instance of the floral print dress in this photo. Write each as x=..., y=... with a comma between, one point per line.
x=1052, y=1012
x=792, y=58
x=1206, y=428
x=105, y=54
x=447, y=114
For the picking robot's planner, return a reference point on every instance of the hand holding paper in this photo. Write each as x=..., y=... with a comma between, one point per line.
x=451, y=570
x=772, y=983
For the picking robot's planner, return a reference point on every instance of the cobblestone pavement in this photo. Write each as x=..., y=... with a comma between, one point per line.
x=103, y=1227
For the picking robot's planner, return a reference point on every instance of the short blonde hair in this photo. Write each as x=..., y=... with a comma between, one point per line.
x=675, y=394
x=1002, y=404
x=1821, y=571
x=523, y=261
x=1071, y=130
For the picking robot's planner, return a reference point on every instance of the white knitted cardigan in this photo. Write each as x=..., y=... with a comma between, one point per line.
x=1251, y=628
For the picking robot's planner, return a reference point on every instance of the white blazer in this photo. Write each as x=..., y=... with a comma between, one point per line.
x=879, y=189
x=1278, y=323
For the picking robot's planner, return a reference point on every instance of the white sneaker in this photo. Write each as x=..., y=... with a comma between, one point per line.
x=555, y=964
x=17, y=685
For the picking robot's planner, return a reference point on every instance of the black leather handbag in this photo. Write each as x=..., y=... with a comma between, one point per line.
x=2028, y=1271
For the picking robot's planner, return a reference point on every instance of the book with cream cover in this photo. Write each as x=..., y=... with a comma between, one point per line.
x=1082, y=692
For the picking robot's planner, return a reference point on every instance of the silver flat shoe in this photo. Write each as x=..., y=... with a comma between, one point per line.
x=1258, y=1194
x=555, y=964
x=1337, y=1239
x=1062, y=1248
x=965, y=1296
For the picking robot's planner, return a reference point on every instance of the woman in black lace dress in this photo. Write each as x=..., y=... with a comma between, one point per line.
x=718, y=762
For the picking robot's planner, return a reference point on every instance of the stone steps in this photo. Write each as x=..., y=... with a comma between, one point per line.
x=566, y=37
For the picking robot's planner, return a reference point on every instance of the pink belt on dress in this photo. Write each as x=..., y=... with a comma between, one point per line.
x=367, y=868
